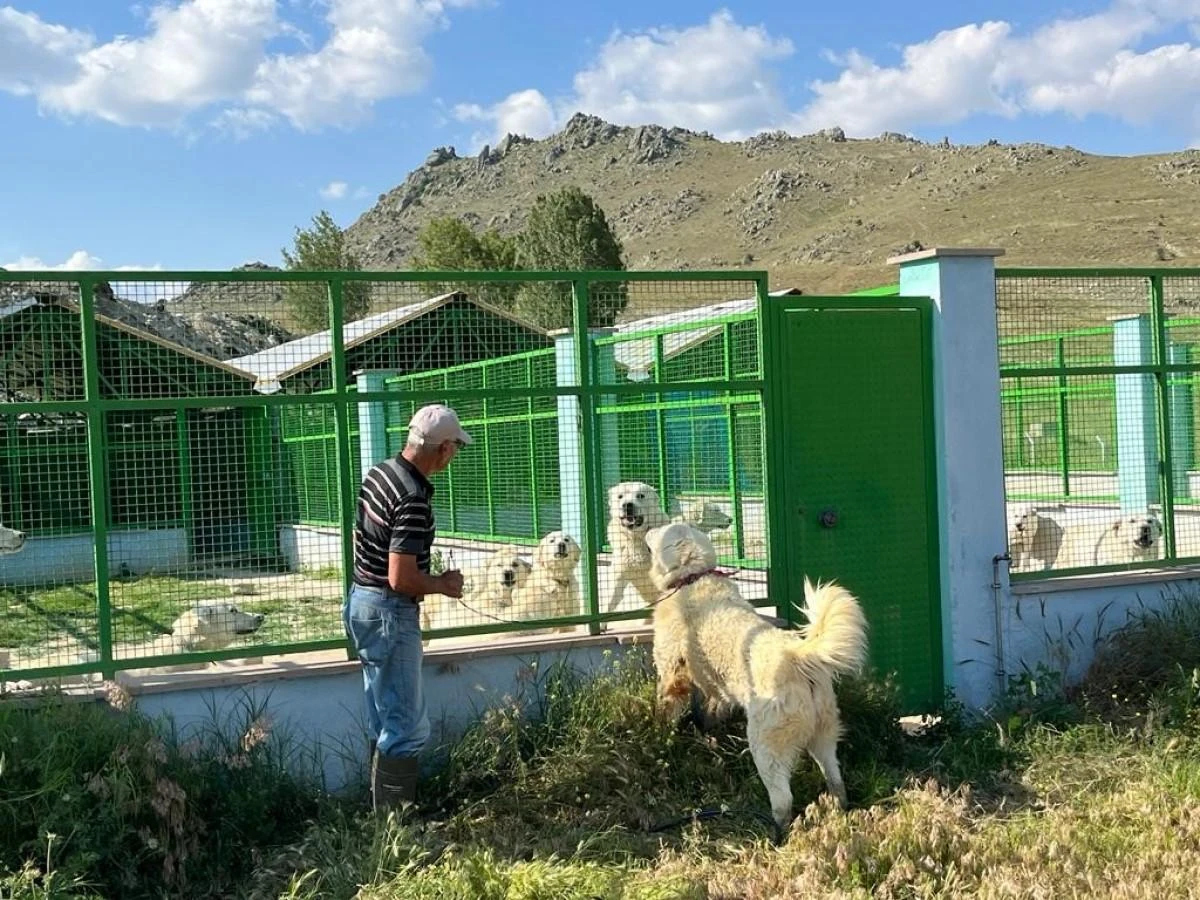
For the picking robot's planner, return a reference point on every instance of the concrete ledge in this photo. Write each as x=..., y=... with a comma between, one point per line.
x=935, y=252
x=1103, y=580
x=314, y=666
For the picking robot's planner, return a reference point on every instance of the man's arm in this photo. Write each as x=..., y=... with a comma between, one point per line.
x=405, y=578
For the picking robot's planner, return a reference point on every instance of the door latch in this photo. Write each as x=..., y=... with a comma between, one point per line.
x=828, y=517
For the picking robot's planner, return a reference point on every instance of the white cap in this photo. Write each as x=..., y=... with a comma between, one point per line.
x=437, y=424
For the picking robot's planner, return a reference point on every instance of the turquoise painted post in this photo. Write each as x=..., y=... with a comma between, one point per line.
x=571, y=471
x=570, y=444
x=1137, y=438
x=1183, y=421
x=372, y=421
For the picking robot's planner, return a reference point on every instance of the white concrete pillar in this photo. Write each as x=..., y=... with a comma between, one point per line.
x=970, y=460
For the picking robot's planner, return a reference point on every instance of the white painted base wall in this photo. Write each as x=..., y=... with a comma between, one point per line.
x=72, y=557
x=320, y=705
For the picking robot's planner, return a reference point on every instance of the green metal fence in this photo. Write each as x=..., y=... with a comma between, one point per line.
x=163, y=482
x=666, y=439
x=1098, y=377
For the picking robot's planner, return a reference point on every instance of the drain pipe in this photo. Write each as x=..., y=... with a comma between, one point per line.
x=1001, y=675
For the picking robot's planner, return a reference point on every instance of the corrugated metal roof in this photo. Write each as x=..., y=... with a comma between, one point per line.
x=71, y=306
x=273, y=365
x=637, y=356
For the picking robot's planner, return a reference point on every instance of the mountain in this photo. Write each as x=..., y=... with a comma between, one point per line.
x=820, y=212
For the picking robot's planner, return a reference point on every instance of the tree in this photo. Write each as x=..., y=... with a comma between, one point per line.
x=322, y=248
x=449, y=245
x=568, y=231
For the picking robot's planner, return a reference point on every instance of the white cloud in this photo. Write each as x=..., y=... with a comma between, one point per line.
x=335, y=190
x=197, y=53
x=213, y=55
x=713, y=77
x=34, y=54
x=1081, y=66
x=79, y=261
x=942, y=80
x=525, y=112
x=724, y=77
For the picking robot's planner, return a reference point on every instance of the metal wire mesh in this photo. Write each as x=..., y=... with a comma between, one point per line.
x=212, y=434
x=1098, y=418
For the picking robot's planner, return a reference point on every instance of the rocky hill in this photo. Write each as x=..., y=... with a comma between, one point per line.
x=819, y=212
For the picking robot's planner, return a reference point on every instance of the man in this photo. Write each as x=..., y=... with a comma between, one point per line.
x=393, y=534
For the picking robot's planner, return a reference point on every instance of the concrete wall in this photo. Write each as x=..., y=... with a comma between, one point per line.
x=72, y=557
x=1058, y=623
x=320, y=705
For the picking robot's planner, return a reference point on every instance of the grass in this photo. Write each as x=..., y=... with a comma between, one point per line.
x=574, y=788
x=145, y=607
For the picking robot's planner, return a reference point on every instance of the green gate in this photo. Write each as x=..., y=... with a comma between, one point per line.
x=852, y=471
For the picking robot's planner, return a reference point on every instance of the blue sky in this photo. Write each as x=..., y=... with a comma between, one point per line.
x=197, y=134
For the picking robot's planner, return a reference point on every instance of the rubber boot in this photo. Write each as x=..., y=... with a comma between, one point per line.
x=393, y=781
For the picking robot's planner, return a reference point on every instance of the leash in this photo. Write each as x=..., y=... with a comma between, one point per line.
x=675, y=589
x=703, y=815
x=463, y=603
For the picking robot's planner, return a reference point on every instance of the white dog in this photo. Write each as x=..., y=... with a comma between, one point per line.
x=1033, y=538
x=11, y=540
x=211, y=625
x=705, y=515
x=634, y=508
x=1129, y=539
x=552, y=588
x=490, y=592
x=707, y=635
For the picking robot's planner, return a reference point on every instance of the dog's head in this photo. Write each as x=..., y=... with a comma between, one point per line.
x=705, y=515
x=1022, y=524
x=677, y=551
x=506, y=570
x=636, y=506
x=558, y=553
x=11, y=540
x=1143, y=532
x=218, y=622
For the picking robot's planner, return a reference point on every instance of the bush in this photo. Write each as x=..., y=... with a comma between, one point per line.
x=103, y=796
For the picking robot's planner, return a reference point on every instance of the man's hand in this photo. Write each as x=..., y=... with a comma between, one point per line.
x=451, y=583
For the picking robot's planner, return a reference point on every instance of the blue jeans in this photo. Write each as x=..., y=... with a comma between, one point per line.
x=385, y=629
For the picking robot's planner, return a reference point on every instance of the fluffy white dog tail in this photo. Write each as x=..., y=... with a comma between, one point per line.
x=836, y=634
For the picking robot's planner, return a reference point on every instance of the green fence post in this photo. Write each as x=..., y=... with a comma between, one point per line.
x=590, y=544
x=347, y=490
x=485, y=427
x=1160, y=358
x=1183, y=420
x=97, y=471
x=1022, y=459
x=1064, y=432
x=531, y=439
x=735, y=488
x=660, y=421
x=780, y=589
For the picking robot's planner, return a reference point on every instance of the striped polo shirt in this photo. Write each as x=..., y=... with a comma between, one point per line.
x=394, y=516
